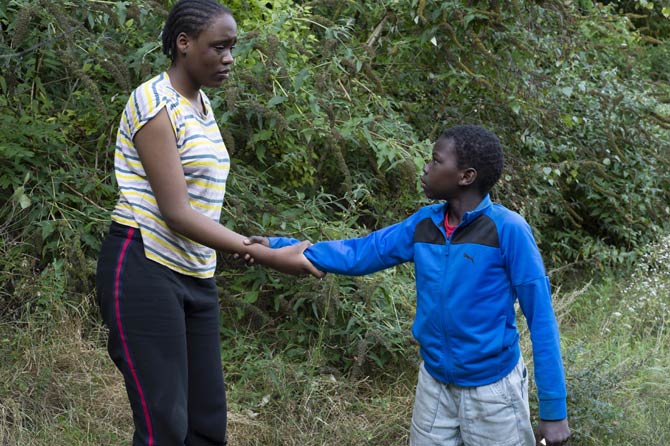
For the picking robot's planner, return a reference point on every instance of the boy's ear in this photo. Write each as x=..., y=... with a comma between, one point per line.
x=468, y=176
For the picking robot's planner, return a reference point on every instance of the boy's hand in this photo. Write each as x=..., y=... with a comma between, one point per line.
x=554, y=433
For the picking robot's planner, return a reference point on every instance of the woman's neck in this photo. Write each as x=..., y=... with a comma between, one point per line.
x=185, y=86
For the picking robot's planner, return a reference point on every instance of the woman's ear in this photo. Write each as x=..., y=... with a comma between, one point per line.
x=468, y=176
x=182, y=44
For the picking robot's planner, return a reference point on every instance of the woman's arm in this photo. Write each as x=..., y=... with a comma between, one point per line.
x=157, y=148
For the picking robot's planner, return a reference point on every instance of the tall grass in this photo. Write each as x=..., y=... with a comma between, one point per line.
x=57, y=386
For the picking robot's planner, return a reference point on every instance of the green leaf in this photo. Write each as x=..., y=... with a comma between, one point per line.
x=277, y=100
x=567, y=91
x=263, y=135
x=250, y=297
x=24, y=201
x=300, y=78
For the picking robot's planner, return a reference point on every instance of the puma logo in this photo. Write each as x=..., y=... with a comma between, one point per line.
x=465, y=254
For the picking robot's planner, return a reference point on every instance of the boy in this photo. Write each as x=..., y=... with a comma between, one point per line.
x=473, y=259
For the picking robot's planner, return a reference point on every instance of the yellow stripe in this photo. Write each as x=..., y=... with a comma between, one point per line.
x=205, y=206
x=125, y=142
x=130, y=177
x=218, y=146
x=148, y=95
x=208, y=163
x=178, y=268
x=125, y=221
x=193, y=202
x=146, y=196
x=207, y=184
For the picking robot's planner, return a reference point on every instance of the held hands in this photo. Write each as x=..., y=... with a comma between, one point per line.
x=289, y=260
x=255, y=239
x=552, y=433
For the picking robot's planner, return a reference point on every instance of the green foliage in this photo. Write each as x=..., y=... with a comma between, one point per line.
x=650, y=17
x=345, y=100
x=65, y=75
x=343, y=323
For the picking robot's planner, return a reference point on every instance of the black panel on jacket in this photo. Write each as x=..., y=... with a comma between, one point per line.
x=427, y=232
x=482, y=231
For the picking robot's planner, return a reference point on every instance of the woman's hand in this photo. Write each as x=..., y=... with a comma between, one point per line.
x=254, y=239
x=288, y=260
x=292, y=260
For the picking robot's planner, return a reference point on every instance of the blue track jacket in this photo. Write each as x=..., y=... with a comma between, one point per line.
x=466, y=287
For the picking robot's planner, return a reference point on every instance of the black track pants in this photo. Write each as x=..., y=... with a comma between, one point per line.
x=164, y=338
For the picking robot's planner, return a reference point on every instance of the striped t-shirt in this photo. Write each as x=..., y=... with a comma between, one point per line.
x=205, y=161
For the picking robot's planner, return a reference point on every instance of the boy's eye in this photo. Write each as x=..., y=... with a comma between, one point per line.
x=224, y=47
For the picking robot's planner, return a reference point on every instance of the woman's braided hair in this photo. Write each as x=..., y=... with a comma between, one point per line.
x=189, y=17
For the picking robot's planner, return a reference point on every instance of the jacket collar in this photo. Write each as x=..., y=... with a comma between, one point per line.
x=439, y=212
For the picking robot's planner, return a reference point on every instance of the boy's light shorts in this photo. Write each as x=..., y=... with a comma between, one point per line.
x=493, y=415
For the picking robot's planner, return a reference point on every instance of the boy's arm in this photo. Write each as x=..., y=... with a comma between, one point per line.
x=379, y=250
x=531, y=287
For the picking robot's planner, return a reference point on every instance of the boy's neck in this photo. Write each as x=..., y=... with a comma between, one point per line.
x=460, y=205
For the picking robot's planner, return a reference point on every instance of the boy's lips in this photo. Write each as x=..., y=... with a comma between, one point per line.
x=223, y=73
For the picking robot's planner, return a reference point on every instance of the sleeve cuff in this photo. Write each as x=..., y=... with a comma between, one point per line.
x=553, y=410
x=280, y=242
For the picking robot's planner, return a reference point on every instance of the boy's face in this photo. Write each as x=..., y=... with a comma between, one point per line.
x=442, y=179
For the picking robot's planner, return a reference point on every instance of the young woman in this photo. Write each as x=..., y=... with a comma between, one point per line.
x=155, y=271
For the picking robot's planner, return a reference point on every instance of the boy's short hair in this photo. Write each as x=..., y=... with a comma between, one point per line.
x=480, y=149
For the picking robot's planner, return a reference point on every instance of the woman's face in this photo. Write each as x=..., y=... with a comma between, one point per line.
x=208, y=57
